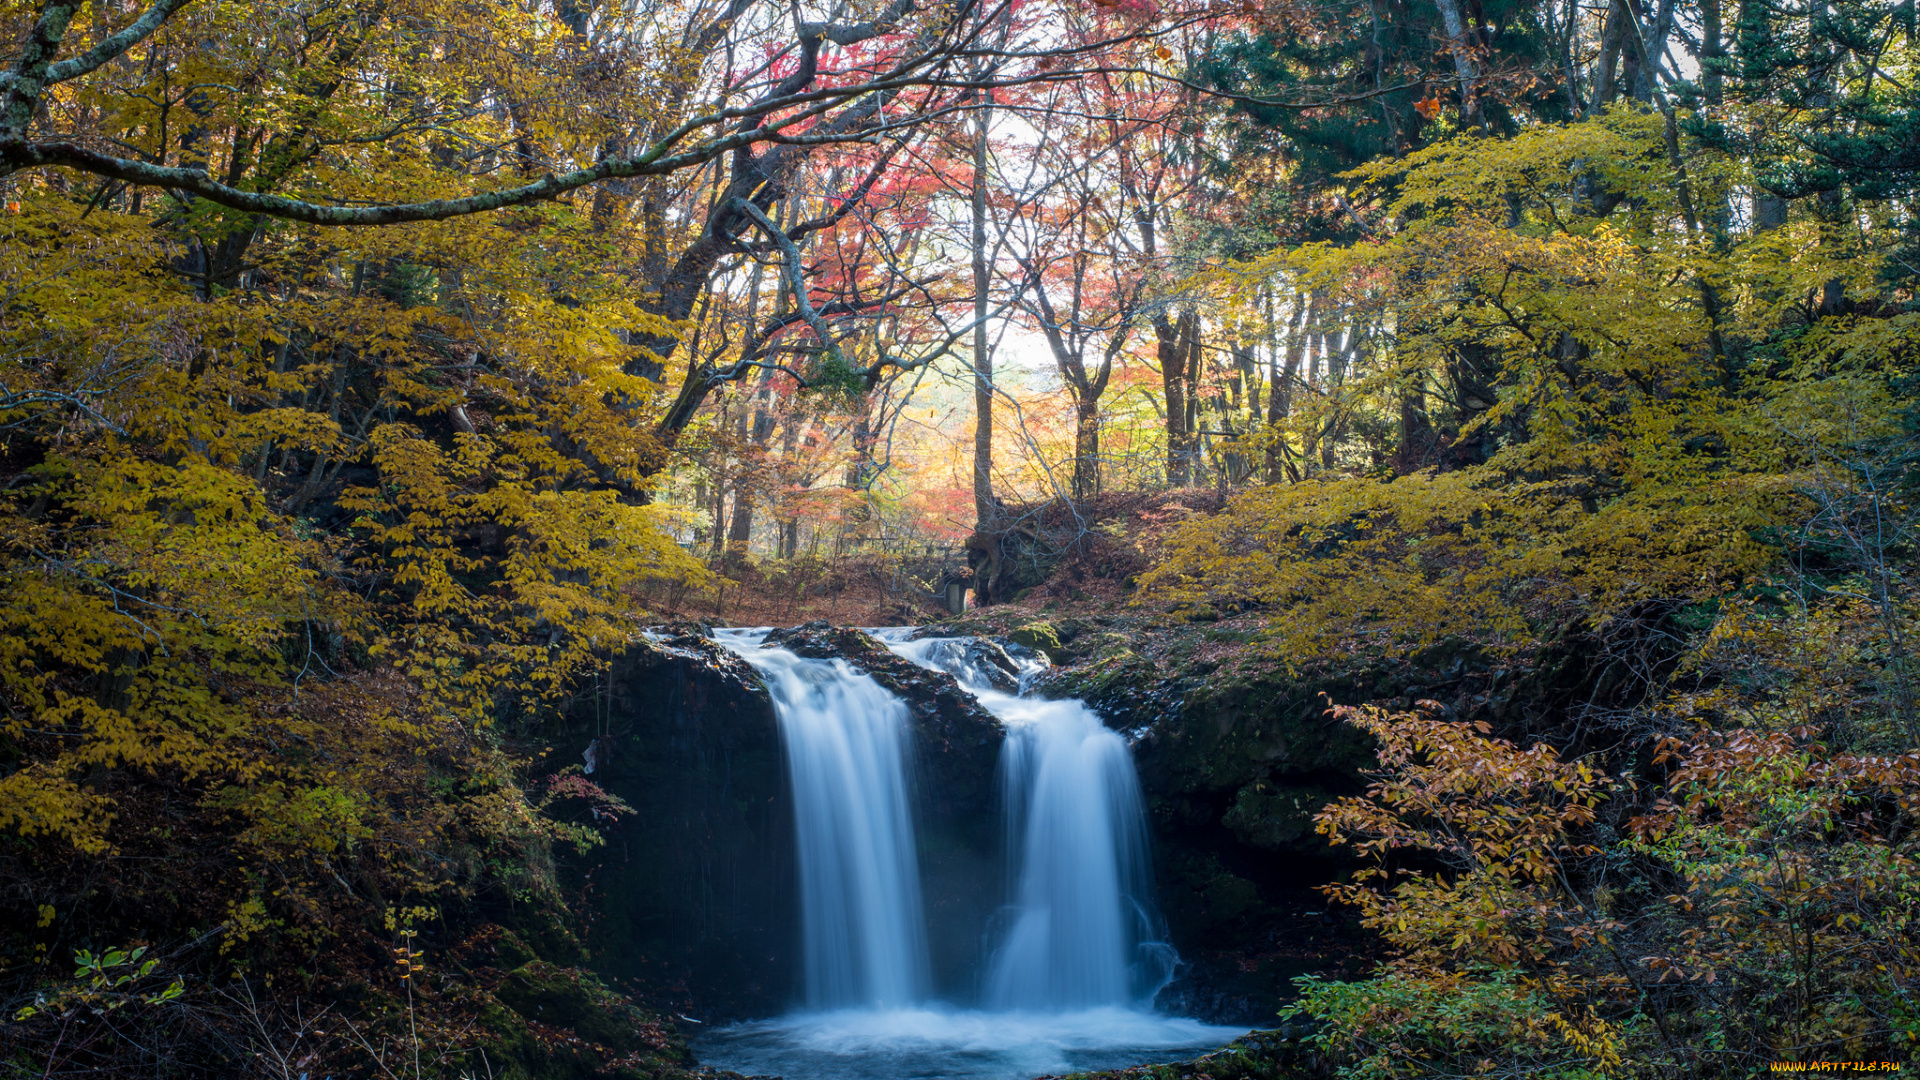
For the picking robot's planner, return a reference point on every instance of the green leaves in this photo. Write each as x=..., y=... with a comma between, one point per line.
x=105, y=983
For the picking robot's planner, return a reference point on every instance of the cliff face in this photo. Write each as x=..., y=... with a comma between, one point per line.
x=956, y=756
x=694, y=894
x=1234, y=761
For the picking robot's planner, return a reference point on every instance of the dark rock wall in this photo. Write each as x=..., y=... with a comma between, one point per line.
x=1234, y=765
x=695, y=892
x=695, y=896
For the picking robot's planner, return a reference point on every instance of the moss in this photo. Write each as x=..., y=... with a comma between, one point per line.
x=566, y=997
x=560, y=1023
x=1042, y=638
x=540, y=930
x=510, y=951
x=1231, y=897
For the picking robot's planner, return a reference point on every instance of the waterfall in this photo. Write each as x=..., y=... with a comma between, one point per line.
x=1079, y=929
x=863, y=931
x=1076, y=958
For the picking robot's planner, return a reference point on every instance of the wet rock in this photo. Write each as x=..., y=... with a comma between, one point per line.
x=1042, y=638
x=988, y=657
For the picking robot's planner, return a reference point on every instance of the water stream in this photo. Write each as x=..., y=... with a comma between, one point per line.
x=862, y=930
x=1076, y=956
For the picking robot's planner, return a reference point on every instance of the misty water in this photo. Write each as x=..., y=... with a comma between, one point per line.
x=1074, y=961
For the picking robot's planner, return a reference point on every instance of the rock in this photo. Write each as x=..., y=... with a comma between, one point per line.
x=987, y=656
x=572, y=998
x=1042, y=638
x=1008, y=562
x=537, y=1020
x=695, y=889
x=1276, y=817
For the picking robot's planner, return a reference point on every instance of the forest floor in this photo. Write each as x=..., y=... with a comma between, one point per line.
x=1099, y=547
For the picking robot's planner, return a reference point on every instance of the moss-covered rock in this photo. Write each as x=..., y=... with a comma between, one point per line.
x=575, y=999
x=1276, y=817
x=529, y=1018
x=1042, y=638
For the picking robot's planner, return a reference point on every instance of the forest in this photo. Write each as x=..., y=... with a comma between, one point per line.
x=1465, y=452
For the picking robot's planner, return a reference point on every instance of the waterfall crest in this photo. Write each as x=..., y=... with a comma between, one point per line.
x=863, y=929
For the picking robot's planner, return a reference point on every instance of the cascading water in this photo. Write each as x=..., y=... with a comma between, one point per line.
x=863, y=933
x=1074, y=967
x=1080, y=930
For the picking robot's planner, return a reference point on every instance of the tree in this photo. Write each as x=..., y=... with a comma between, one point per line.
x=1720, y=872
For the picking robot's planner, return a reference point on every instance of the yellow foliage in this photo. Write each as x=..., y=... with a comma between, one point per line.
x=1615, y=450
x=224, y=502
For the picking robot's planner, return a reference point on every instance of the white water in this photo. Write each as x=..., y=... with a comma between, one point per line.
x=1077, y=959
x=862, y=930
x=954, y=1044
x=1080, y=931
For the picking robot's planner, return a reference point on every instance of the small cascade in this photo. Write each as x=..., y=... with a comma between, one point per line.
x=863, y=930
x=1080, y=930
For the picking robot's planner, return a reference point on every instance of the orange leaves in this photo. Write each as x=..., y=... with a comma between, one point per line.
x=1503, y=820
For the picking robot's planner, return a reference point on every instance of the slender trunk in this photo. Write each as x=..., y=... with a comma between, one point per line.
x=1196, y=457
x=1712, y=52
x=1414, y=427
x=1173, y=338
x=1285, y=373
x=740, y=529
x=719, y=543
x=1460, y=42
x=1611, y=36
x=984, y=506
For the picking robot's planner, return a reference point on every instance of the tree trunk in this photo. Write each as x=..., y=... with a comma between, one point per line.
x=719, y=543
x=1280, y=394
x=740, y=529
x=1086, y=448
x=1173, y=338
x=1460, y=42
x=1605, y=84
x=1712, y=52
x=1196, y=458
x=984, y=506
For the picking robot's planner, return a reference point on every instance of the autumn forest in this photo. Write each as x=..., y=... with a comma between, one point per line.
x=1467, y=450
